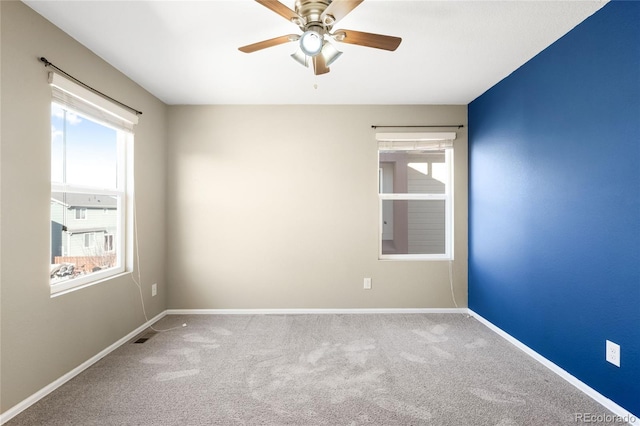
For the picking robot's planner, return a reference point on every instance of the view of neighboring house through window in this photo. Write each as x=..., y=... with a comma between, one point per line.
x=88, y=195
x=416, y=196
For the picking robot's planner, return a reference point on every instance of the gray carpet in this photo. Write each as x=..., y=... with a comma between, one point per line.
x=369, y=369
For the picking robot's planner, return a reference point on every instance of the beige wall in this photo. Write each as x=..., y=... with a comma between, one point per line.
x=276, y=207
x=44, y=338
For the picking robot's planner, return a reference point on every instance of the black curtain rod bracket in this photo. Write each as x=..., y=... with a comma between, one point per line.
x=457, y=126
x=49, y=64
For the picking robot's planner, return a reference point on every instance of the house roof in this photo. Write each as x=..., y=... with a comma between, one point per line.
x=86, y=230
x=89, y=201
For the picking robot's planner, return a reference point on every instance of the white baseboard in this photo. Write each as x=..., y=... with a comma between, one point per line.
x=584, y=388
x=28, y=402
x=316, y=311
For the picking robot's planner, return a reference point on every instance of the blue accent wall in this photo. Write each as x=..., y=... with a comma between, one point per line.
x=554, y=196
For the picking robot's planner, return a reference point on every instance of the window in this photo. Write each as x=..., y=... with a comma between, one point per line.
x=415, y=190
x=89, y=141
x=88, y=240
x=108, y=243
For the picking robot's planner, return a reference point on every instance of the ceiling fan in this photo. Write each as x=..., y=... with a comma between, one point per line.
x=316, y=19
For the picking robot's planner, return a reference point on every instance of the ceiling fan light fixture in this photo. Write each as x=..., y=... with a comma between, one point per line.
x=330, y=53
x=311, y=43
x=300, y=58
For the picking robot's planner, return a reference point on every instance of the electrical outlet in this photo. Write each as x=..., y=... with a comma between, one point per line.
x=154, y=289
x=613, y=353
x=367, y=283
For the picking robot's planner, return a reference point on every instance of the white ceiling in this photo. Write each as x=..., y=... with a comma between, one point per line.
x=186, y=52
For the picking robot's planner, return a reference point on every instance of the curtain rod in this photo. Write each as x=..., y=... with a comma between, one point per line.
x=458, y=126
x=49, y=64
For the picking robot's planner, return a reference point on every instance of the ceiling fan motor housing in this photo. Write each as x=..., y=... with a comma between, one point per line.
x=311, y=11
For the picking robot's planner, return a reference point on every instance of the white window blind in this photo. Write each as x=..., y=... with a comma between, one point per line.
x=431, y=141
x=72, y=95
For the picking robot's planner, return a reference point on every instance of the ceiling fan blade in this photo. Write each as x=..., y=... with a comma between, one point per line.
x=268, y=43
x=281, y=10
x=377, y=41
x=339, y=9
x=319, y=65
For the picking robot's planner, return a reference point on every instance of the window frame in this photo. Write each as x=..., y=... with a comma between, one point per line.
x=88, y=237
x=419, y=142
x=70, y=96
x=121, y=194
x=108, y=242
x=81, y=213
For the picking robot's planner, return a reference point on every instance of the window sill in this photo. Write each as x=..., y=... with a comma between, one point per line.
x=59, y=292
x=415, y=257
